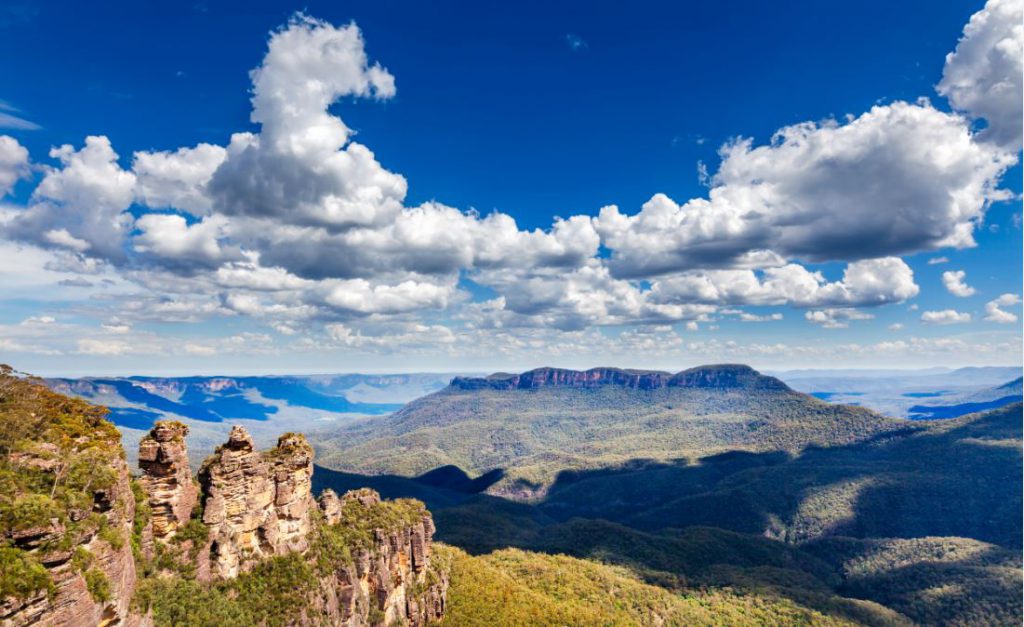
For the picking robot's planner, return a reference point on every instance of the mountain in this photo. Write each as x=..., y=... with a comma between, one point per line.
x=969, y=402
x=868, y=532
x=897, y=393
x=535, y=425
x=266, y=406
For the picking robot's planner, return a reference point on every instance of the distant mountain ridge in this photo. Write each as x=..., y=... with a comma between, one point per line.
x=534, y=425
x=719, y=376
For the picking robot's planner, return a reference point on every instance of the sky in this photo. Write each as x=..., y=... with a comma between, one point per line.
x=217, y=188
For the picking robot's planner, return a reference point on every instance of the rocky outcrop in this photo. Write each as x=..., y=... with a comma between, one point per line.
x=93, y=574
x=166, y=477
x=390, y=582
x=68, y=555
x=726, y=376
x=256, y=504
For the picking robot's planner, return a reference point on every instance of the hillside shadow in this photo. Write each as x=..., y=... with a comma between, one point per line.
x=678, y=523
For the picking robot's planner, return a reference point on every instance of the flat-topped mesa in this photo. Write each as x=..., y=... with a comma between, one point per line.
x=166, y=477
x=724, y=376
x=256, y=504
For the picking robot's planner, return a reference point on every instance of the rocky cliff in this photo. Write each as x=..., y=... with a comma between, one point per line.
x=246, y=544
x=366, y=561
x=256, y=504
x=66, y=511
x=725, y=376
x=166, y=478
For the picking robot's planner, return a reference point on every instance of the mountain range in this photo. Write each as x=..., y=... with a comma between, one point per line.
x=718, y=477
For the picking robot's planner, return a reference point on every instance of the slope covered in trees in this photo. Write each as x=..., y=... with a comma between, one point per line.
x=541, y=423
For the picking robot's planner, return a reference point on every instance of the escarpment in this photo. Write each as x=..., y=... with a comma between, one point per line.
x=66, y=511
x=364, y=561
x=82, y=543
x=720, y=377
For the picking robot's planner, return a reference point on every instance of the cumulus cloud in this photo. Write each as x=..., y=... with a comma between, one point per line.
x=945, y=316
x=865, y=283
x=301, y=168
x=954, y=282
x=982, y=77
x=297, y=225
x=177, y=179
x=898, y=179
x=174, y=242
x=80, y=205
x=13, y=163
x=836, y=318
x=994, y=311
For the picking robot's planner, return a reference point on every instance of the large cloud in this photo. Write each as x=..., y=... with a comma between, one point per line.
x=81, y=205
x=301, y=168
x=899, y=179
x=983, y=77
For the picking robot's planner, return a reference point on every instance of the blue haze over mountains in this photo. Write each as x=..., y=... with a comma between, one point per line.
x=267, y=405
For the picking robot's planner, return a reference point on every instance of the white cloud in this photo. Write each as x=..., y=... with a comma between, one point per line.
x=103, y=347
x=937, y=260
x=945, y=316
x=358, y=296
x=954, y=282
x=13, y=163
x=896, y=326
x=836, y=318
x=899, y=179
x=177, y=179
x=983, y=76
x=994, y=311
x=864, y=283
x=170, y=238
x=79, y=205
x=301, y=168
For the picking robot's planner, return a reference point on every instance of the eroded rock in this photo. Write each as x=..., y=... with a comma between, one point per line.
x=167, y=478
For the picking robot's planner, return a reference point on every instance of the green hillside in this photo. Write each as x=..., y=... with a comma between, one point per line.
x=520, y=588
x=534, y=433
x=920, y=524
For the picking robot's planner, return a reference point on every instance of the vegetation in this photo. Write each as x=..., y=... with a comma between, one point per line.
x=513, y=587
x=939, y=503
x=535, y=434
x=57, y=457
x=277, y=589
x=21, y=575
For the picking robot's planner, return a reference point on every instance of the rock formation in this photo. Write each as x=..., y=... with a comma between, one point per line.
x=166, y=477
x=74, y=557
x=256, y=504
x=367, y=561
x=724, y=376
x=392, y=577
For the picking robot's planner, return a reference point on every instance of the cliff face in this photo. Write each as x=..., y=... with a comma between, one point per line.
x=255, y=504
x=258, y=504
x=391, y=580
x=69, y=522
x=166, y=477
x=67, y=511
x=726, y=376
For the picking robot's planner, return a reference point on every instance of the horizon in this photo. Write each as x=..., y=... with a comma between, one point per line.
x=394, y=189
x=922, y=371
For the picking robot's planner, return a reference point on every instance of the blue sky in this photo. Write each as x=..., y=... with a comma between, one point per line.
x=526, y=113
